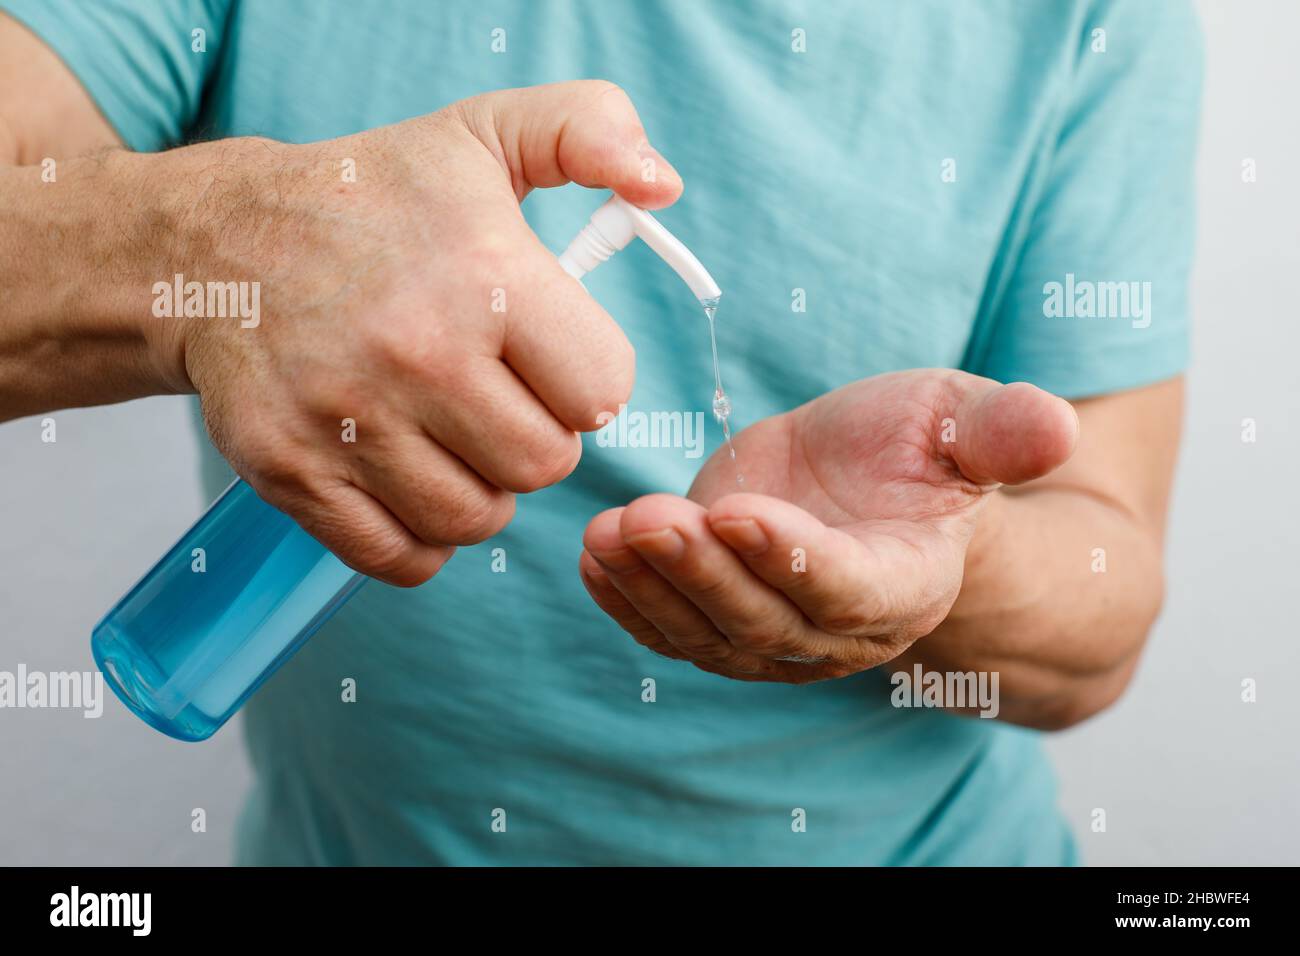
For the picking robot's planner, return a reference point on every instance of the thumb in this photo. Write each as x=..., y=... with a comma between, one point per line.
x=585, y=131
x=1009, y=433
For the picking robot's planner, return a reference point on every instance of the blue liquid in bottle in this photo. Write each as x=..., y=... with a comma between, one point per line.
x=185, y=648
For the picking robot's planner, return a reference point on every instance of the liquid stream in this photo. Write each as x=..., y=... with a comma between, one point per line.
x=721, y=403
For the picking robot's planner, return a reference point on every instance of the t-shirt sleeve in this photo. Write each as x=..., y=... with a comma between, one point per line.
x=141, y=61
x=1096, y=296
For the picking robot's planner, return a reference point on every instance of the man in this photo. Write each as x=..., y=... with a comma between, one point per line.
x=905, y=204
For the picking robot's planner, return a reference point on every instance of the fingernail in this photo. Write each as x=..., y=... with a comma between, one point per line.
x=666, y=544
x=743, y=534
x=618, y=560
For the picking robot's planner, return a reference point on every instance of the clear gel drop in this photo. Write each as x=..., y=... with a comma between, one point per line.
x=721, y=403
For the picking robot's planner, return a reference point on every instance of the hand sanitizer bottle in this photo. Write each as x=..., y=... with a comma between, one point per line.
x=218, y=614
x=246, y=587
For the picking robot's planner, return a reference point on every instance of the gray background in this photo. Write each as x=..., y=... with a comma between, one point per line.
x=1186, y=772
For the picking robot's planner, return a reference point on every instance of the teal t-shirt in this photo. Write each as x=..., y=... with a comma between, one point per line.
x=875, y=186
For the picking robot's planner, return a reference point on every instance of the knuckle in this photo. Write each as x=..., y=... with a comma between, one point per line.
x=846, y=624
x=385, y=555
x=373, y=548
x=710, y=648
x=488, y=261
x=413, y=353
x=709, y=587
x=598, y=90
x=855, y=620
x=599, y=85
x=765, y=641
x=544, y=464
x=478, y=518
x=743, y=662
x=328, y=397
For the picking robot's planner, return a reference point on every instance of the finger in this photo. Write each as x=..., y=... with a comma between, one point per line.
x=497, y=427
x=611, y=601
x=683, y=624
x=360, y=531
x=559, y=340
x=846, y=588
x=564, y=345
x=674, y=537
x=1008, y=433
x=432, y=492
x=586, y=132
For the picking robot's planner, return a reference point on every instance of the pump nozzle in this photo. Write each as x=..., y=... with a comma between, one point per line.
x=612, y=227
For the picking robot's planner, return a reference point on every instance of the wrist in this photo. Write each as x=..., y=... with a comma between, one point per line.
x=217, y=226
x=150, y=203
x=195, y=215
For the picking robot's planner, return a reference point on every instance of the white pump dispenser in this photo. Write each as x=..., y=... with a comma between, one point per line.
x=613, y=226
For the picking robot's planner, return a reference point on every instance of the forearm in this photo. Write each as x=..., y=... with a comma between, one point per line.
x=81, y=256
x=1060, y=590
x=76, y=266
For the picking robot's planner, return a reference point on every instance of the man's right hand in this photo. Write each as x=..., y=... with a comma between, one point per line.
x=414, y=301
x=417, y=303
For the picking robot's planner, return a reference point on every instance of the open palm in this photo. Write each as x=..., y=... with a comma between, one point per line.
x=849, y=539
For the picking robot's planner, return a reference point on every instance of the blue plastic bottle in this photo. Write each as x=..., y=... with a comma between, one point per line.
x=202, y=630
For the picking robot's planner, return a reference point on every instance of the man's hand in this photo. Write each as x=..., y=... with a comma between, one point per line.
x=853, y=542
x=411, y=300
x=418, y=303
